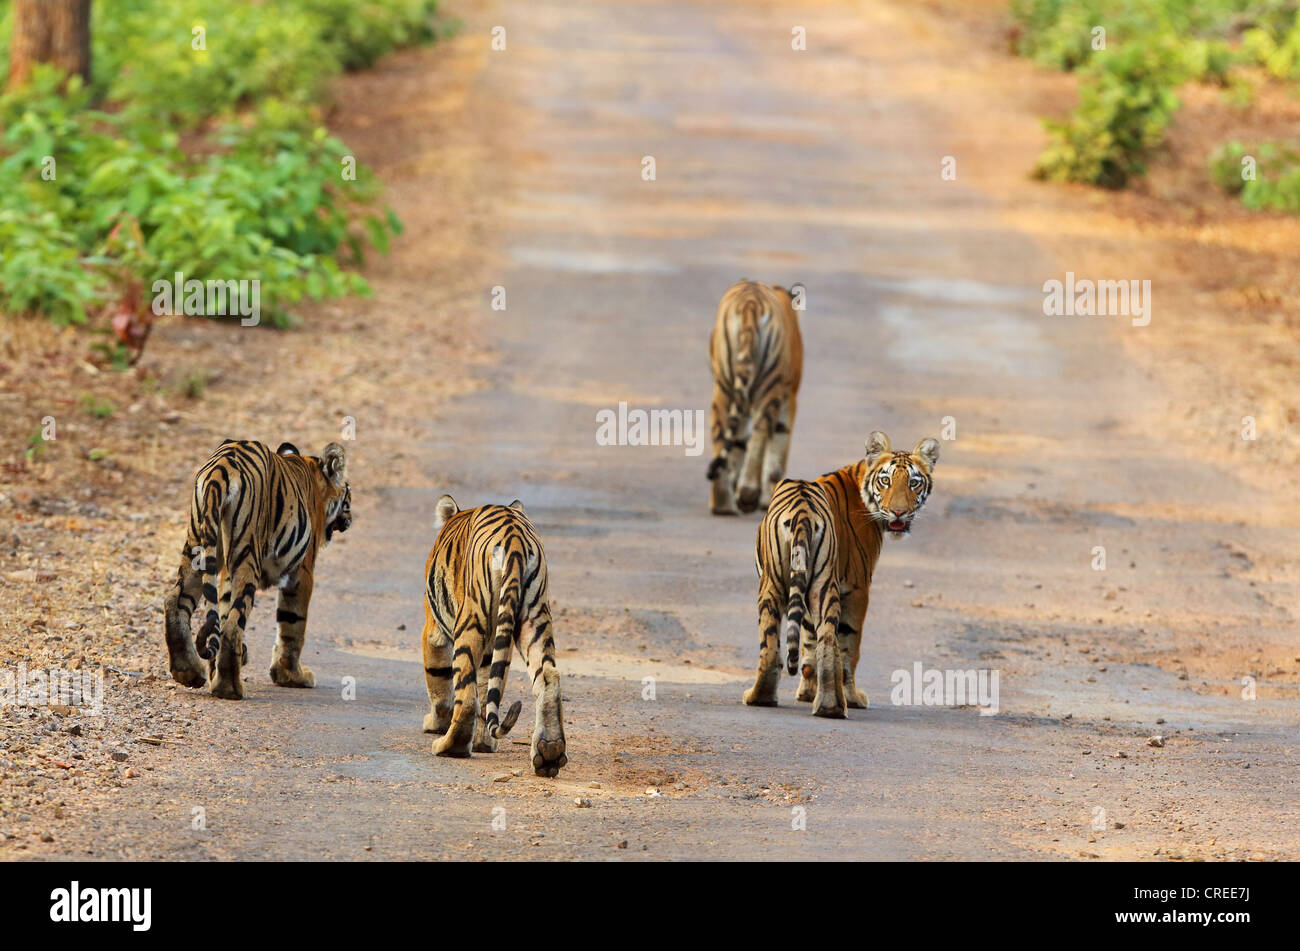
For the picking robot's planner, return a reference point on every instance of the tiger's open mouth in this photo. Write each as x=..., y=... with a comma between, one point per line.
x=897, y=526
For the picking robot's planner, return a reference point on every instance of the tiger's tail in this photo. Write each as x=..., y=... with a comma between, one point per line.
x=208, y=639
x=507, y=579
x=797, y=604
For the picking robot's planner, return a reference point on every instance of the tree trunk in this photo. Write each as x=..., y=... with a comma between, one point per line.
x=49, y=31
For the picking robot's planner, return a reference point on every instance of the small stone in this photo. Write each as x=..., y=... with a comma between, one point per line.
x=516, y=772
x=623, y=844
x=652, y=792
x=593, y=785
x=132, y=773
x=1156, y=741
x=118, y=756
x=582, y=802
x=1119, y=754
x=47, y=837
x=74, y=730
x=1119, y=825
x=501, y=778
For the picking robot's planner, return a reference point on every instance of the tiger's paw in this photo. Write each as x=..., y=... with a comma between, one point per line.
x=756, y=698
x=747, y=498
x=287, y=677
x=830, y=707
x=437, y=723
x=188, y=672
x=227, y=687
x=857, y=698
x=449, y=745
x=548, y=753
x=807, y=686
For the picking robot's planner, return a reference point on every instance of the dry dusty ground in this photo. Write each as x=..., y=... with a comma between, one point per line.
x=521, y=169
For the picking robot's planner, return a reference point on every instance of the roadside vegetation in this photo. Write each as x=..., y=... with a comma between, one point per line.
x=1133, y=55
x=198, y=147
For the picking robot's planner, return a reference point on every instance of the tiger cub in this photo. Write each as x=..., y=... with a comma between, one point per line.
x=817, y=548
x=756, y=353
x=486, y=584
x=258, y=518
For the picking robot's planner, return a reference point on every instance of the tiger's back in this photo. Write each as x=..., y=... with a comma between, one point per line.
x=257, y=519
x=486, y=594
x=880, y=494
x=797, y=555
x=756, y=355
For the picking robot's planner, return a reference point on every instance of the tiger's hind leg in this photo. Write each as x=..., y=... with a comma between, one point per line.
x=291, y=618
x=830, y=700
x=750, y=488
x=436, y=645
x=208, y=640
x=807, y=689
x=470, y=644
x=726, y=455
x=536, y=643
x=183, y=660
x=226, y=682
x=778, y=451
x=771, y=608
x=852, y=614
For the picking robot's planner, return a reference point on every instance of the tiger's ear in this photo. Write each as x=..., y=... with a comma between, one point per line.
x=287, y=449
x=928, y=449
x=445, y=508
x=518, y=507
x=877, y=446
x=334, y=463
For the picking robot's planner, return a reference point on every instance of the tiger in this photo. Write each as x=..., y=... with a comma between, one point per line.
x=486, y=583
x=817, y=548
x=258, y=518
x=756, y=353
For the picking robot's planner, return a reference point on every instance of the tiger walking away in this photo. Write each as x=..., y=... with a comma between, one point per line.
x=257, y=520
x=756, y=353
x=816, y=551
x=486, y=584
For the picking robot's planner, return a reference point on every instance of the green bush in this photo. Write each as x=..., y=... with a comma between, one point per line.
x=1276, y=185
x=1125, y=104
x=1276, y=47
x=287, y=49
x=1058, y=33
x=259, y=195
x=1127, y=92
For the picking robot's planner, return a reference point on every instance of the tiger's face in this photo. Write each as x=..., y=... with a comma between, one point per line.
x=339, y=518
x=895, y=485
x=338, y=491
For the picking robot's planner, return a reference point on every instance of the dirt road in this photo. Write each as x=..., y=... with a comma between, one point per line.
x=924, y=303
